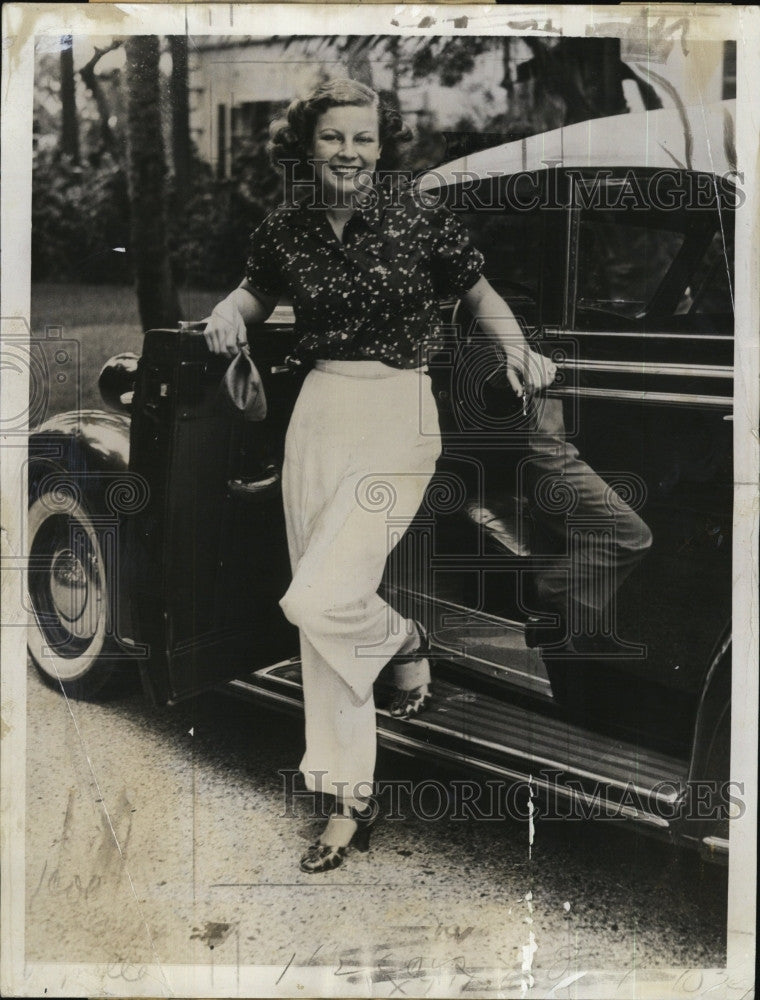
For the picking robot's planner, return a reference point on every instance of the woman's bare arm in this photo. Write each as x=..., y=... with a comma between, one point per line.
x=499, y=323
x=226, y=326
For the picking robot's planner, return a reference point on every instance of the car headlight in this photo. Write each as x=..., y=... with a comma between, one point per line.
x=116, y=381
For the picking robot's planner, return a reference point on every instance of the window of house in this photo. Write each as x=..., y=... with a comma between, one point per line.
x=249, y=119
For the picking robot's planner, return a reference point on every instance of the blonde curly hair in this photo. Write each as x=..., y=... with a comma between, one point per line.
x=290, y=135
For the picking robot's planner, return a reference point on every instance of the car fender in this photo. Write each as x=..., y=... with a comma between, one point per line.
x=89, y=451
x=99, y=437
x=715, y=694
x=84, y=456
x=709, y=798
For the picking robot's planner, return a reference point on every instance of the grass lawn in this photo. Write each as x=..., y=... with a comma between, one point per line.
x=95, y=322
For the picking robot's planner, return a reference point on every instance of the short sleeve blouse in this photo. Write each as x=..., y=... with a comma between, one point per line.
x=374, y=295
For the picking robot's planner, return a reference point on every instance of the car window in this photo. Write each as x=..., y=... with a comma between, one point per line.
x=710, y=290
x=511, y=245
x=621, y=265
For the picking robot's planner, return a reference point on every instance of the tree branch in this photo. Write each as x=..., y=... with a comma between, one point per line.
x=90, y=80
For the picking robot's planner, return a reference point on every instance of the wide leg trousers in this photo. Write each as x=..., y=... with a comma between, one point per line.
x=360, y=451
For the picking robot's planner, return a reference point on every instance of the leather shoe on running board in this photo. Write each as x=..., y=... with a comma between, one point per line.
x=547, y=636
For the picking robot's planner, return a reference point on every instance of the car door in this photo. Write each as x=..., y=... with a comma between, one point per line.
x=644, y=334
x=465, y=560
x=208, y=553
x=634, y=303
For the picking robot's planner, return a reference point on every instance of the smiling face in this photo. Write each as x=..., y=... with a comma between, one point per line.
x=345, y=150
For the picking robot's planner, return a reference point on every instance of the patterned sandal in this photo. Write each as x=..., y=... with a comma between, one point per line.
x=411, y=702
x=344, y=831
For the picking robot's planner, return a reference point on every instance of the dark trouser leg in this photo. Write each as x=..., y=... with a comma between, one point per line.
x=589, y=539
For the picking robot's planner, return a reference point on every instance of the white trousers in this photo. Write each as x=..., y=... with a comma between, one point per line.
x=359, y=453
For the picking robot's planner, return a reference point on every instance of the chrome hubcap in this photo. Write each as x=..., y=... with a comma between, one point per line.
x=70, y=593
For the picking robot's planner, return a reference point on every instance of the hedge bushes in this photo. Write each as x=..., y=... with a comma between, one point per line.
x=80, y=217
x=211, y=223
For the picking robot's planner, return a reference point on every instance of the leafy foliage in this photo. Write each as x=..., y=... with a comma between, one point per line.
x=451, y=59
x=212, y=221
x=80, y=214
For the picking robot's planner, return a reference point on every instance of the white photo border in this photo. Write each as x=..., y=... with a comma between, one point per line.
x=22, y=23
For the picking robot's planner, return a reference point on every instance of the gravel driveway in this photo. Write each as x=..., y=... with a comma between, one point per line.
x=157, y=837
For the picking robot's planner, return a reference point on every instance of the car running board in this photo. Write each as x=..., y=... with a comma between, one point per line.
x=582, y=772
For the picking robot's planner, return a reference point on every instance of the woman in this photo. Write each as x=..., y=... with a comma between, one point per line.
x=364, y=270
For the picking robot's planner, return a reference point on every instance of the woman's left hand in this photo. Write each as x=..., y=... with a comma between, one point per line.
x=538, y=373
x=529, y=371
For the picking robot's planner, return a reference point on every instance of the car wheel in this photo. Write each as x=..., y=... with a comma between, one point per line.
x=68, y=578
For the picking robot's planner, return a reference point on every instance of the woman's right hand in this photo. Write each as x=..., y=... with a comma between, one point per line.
x=225, y=331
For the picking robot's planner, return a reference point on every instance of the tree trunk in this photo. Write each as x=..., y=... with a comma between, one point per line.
x=180, y=114
x=156, y=293
x=90, y=80
x=69, y=120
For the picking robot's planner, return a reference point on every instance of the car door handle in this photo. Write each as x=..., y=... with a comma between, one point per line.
x=288, y=367
x=256, y=490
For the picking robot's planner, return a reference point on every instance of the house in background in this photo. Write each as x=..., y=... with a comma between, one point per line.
x=237, y=85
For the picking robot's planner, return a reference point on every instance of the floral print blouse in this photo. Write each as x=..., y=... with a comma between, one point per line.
x=375, y=294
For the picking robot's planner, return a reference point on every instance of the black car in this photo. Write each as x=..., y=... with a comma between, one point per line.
x=156, y=532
